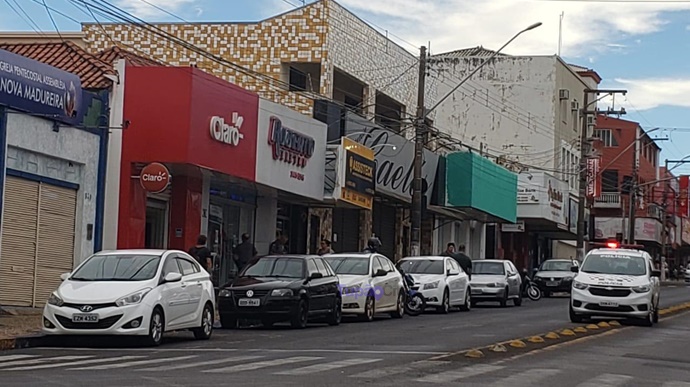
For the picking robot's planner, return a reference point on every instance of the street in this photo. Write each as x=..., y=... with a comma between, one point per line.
x=385, y=352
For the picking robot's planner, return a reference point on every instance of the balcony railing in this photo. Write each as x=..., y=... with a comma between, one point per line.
x=608, y=200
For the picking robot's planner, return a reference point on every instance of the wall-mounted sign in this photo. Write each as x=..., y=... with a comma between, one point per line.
x=593, y=177
x=683, y=187
x=227, y=133
x=40, y=89
x=542, y=196
x=289, y=146
x=509, y=227
x=154, y=177
x=358, y=182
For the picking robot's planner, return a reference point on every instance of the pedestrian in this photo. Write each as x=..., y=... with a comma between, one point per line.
x=450, y=250
x=202, y=253
x=244, y=252
x=325, y=248
x=373, y=245
x=279, y=246
x=464, y=261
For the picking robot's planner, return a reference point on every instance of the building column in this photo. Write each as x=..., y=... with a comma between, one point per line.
x=131, y=211
x=369, y=102
x=265, y=224
x=366, y=224
x=205, y=201
x=185, y=212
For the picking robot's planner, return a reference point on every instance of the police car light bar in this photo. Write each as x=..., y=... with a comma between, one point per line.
x=617, y=245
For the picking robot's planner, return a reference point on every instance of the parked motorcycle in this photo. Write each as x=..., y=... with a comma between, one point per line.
x=415, y=304
x=530, y=288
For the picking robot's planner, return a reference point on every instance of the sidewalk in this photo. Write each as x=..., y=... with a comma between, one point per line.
x=17, y=323
x=674, y=283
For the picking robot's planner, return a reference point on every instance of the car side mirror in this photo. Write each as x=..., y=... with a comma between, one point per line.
x=656, y=273
x=316, y=275
x=64, y=276
x=380, y=273
x=574, y=269
x=172, y=277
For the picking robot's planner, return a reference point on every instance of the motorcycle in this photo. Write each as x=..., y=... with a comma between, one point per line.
x=415, y=304
x=530, y=288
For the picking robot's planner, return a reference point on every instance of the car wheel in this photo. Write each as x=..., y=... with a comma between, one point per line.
x=228, y=322
x=649, y=320
x=518, y=300
x=337, y=313
x=156, y=327
x=445, y=303
x=400, y=307
x=504, y=300
x=300, y=319
x=467, y=305
x=656, y=314
x=369, y=309
x=574, y=318
x=206, y=329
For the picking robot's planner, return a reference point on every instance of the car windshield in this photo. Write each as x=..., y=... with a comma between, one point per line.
x=488, y=268
x=349, y=265
x=125, y=267
x=556, y=266
x=421, y=266
x=617, y=264
x=275, y=267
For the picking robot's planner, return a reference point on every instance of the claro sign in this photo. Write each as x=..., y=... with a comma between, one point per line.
x=154, y=177
x=227, y=133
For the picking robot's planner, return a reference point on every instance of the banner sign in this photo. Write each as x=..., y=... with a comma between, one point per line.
x=593, y=177
x=683, y=186
x=358, y=182
x=39, y=89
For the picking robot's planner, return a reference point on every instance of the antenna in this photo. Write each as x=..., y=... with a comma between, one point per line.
x=560, y=33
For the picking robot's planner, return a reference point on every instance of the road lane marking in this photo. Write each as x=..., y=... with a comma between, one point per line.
x=263, y=364
x=132, y=363
x=676, y=384
x=41, y=360
x=394, y=370
x=201, y=363
x=79, y=362
x=327, y=366
x=463, y=373
x=526, y=378
x=274, y=350
x=606, y=380
x=15, y=357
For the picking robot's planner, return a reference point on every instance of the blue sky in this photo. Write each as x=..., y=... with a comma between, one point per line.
x=643, y=47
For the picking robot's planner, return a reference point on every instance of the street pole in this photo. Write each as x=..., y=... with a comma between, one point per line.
x=664, y=239
x=633, y=191
x=419, y=132
x=584, y=154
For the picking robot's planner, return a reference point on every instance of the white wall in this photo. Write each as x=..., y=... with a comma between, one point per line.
x=69, y=155
x=265, y=224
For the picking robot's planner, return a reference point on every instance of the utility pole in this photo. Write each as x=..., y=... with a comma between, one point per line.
x=419, y=133
x=585, y=153
x=633, y=189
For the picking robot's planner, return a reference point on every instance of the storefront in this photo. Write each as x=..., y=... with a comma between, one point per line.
x=291, y=151
x=188, y=162
x=50, y=180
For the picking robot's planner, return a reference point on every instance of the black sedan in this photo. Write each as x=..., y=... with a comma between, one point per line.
x=272, y=289
x=555, y=276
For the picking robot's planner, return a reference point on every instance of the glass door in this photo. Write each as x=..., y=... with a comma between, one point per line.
x=156, y=232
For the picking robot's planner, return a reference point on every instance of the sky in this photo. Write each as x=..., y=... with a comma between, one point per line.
x=642, y=46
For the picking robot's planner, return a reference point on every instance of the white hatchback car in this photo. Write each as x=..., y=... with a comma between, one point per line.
x=133, y=292
x=440, y=280
x=369, y=284
x=616, y=283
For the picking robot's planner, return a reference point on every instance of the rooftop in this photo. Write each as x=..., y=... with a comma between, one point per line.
x=478, y=51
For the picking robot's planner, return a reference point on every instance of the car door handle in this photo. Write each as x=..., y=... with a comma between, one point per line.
x=183, y=284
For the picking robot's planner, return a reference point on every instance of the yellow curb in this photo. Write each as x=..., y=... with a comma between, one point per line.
x=592, y=326
x=552, y=336
x=518, y=344
x=604, y=324
x=664, y=312
x=581, y=330
x=614, y=323
x=536, y=339
x=498, y=348
x=567, y=332
x=475, y=354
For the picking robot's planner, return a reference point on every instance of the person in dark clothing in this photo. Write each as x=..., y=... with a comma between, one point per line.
x=202, y=253
x=450, y=250
x=278, y=246
x=373, y=246
x=464, y=261
x=325, y=248
x=244, y=252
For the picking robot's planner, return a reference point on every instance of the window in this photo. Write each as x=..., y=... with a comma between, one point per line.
x=609, y=180
x=129, y=267
x=386, y=264
x=606, y=136
x=311, y=267
x=376, y=266
x=512, y=267
x=298, y=80
x=170, y=267
x=321, y=266
x=275, y=267
x=349, y=265
x=186, y=266
x=454, y=268
x=422, y=266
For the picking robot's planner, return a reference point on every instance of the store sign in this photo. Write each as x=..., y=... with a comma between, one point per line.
x=572, y=215
x=227, y=133
x=685, y=234
x=39, y=89
x=394, y=158
x=542, y=196
x=593, y=177
x=154, y=177
x=358, y=183
x=291, y=151
x=646, y=229
x=683, y=183
x=517, y=227
x=289, y=146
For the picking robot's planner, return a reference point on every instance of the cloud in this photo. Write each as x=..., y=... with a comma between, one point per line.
x=147, y=9
x=453, y=24
x=649, y=93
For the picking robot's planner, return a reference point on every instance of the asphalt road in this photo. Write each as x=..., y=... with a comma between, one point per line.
x=384, y=352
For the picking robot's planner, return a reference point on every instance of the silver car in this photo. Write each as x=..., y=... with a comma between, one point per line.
x=495, y=280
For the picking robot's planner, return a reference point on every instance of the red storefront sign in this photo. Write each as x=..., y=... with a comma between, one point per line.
x=593, y=177
x=683, y=186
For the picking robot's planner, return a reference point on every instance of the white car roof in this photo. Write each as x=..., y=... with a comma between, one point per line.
x=637, y=253
x=427, y=258
x=348, y=255
x=137, y=252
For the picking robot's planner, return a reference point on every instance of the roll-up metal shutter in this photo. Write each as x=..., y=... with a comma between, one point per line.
x=55, y=251
x=384, y=228
x=18, y=260
x=346, y=227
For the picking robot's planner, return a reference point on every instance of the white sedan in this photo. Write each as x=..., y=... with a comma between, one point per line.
x=440, y=280
x=133, y=292
x=369, y=284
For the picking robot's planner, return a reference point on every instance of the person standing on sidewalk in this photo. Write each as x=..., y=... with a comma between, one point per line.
x=244, y=252
x=278, y=246
x=325, y=248
x=202, y=253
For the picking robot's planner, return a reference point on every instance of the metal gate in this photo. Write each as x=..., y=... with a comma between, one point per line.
x=346, y=227
x=384, y=228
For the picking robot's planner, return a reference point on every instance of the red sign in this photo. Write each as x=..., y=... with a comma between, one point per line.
x=155, y=177
x=593, y=177
x=683, y=186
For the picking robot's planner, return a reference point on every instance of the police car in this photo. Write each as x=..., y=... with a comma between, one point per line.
x=616, y=281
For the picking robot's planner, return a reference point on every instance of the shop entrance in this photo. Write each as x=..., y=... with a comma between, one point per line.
x=156, y=224
x=292, y=222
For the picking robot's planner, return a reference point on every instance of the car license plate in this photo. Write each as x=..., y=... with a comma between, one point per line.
x=552, y=283
x=85, y=318
x=609, y=304
x=477, y=291
x=249, y=302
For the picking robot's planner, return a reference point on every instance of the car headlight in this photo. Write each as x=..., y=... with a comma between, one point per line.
x=54, y=299
x=580, y=285
x=431, y=285
x=224, y=293
x=352, y=289
x=281, y=293
x=133, y=298
x=642, y=289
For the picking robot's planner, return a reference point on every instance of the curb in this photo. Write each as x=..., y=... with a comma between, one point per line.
x=22, y=342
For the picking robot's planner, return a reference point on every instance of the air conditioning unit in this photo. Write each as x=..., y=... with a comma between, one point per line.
x=591, y=121
x=575, y=106
x=564, y=94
